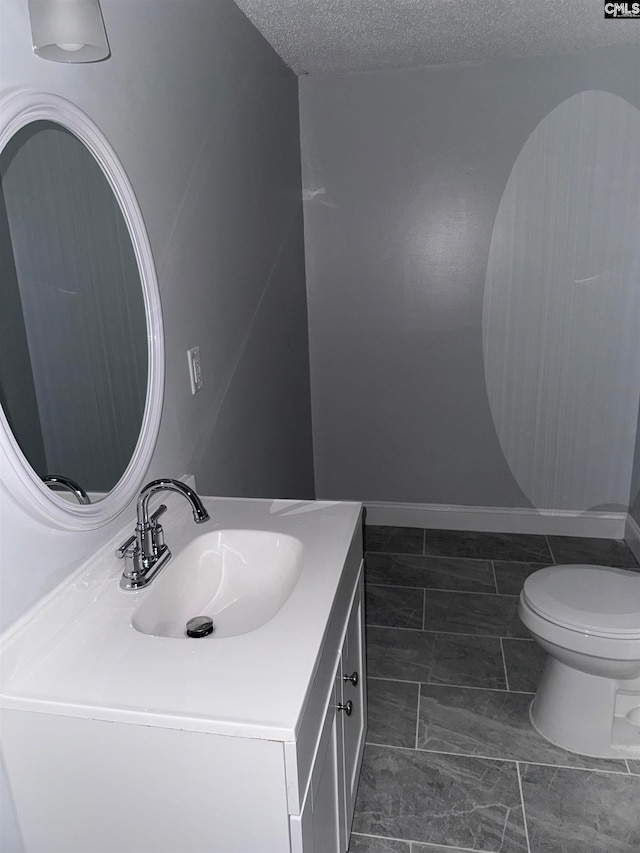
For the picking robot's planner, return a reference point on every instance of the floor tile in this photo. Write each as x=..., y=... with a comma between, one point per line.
x=487, y=546
x=394, y=606
x=400, y=540
x=430, y=572
x=426, y=800
x=440, y=799
x=473, y=613
x=524, y=660
x=392, y=712
x=604, y=552
x=434, y=658
x=581, y=811
x=510, y=575
x=368, y=844
x=493, y=724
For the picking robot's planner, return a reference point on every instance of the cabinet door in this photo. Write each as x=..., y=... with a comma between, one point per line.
x=353, y=666
x=321, y=825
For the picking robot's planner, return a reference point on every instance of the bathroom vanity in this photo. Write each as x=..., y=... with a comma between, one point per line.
x=120, y=736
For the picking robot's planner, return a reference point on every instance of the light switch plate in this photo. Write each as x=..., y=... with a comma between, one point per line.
x=195, y=369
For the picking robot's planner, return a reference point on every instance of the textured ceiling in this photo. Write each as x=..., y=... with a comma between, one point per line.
x=329, y=36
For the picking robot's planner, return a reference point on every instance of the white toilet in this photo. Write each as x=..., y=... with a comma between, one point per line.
x=587, y=618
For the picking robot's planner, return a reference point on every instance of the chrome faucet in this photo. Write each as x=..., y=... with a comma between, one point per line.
x=145, y=553
x=68, y=484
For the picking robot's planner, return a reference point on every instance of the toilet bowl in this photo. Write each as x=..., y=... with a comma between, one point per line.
x=587, y=619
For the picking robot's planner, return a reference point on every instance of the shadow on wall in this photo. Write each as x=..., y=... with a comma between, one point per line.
x=561, y=311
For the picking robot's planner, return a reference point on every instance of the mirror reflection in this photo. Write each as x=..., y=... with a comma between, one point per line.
x=73, y=332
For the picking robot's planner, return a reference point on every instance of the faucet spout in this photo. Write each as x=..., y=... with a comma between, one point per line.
x=200, y=514
x=145, y=552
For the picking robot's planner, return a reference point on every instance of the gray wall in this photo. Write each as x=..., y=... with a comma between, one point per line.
x=404, y=174
x=236, y=247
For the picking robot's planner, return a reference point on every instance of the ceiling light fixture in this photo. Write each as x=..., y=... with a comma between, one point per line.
x=68, y=30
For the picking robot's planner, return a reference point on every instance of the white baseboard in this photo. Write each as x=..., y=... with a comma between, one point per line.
x=605, y=525
x=632, y=536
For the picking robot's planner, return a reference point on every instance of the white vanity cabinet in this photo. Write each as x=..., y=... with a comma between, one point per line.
x=117, y=742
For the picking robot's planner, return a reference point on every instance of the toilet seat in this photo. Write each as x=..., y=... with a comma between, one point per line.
x=596, y=600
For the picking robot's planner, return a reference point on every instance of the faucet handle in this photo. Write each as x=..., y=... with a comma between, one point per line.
x=125, y=550
x=156, y=515
x=156, y=532
x=153, y=518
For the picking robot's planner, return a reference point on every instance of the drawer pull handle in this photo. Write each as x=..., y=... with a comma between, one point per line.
x=353, y=678
x=347, y=707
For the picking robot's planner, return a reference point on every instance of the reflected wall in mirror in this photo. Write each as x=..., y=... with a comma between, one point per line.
x=81, y=338
x=73, y=328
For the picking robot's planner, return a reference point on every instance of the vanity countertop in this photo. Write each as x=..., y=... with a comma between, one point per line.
x=77, y=654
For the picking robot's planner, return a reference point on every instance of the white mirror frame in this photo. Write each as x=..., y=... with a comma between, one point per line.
x=19, y=107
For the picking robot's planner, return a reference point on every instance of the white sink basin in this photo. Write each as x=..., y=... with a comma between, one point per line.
x=78, y=653
x=239, y=578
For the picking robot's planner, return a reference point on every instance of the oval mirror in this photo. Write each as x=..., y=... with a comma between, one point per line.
x=81, y=355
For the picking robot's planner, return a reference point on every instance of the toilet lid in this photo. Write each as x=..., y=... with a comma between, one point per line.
x=597, y=600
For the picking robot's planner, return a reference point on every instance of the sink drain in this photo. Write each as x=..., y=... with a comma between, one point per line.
x=200, y=626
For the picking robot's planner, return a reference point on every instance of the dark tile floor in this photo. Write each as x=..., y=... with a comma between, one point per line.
x=452, y=762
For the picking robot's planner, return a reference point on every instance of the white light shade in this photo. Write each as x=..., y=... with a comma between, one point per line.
x=68, y=30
